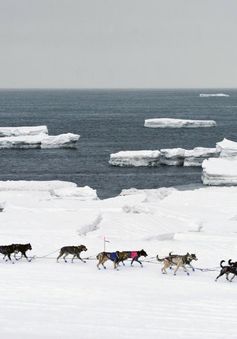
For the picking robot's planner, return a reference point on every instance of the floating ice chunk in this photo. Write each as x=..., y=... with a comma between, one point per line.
x=22, y=130
x=219, y=171
x=135, y=158
x=172, y=156
x=178, y=123
x=81, y=193
x=206, y=95
x=67, y=140
x=227, y=148
x=40, y=141
x=31, y=185
x=196, y=156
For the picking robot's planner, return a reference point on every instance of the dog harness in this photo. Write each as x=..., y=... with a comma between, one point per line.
x=113, y=256
x=133, y=254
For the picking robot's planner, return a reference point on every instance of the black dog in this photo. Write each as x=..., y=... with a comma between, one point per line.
x=7, y=250
x=232, y=263
x=227, y=270
x=22, y=248
x=74, y=250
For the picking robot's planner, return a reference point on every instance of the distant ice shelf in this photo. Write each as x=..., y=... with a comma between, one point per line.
x=178, y=123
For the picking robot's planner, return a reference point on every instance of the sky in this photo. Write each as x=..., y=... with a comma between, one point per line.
x=118, y=44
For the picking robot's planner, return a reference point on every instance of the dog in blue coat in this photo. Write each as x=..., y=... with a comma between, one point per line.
x=104, y=256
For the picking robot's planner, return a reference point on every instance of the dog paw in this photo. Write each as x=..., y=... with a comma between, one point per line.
x=84, y=262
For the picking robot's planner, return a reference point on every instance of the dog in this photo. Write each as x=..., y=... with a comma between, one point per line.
x=74, y=250
x=177, y=260
x=227, y=270
x=232, y=263
x=134, y=255
x=104, y=256
x=22, y=248
x=7, y=250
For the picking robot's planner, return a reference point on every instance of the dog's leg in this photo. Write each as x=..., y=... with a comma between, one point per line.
x=65, y=255
x=221, y=273
x=73, y=257
x=232, y=278
x=78, y=256
x=60, y=254
x=24, y=254
x=192, y=267
x=185, y=269
x=178, y=266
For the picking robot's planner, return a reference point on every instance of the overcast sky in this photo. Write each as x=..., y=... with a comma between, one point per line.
x=118, y=43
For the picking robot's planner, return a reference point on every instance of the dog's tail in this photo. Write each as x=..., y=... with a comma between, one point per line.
x=159, y=259
x=230, y=262
x=222, y=263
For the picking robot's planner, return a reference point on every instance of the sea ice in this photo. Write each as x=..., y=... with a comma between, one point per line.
x=227, y=148
x=178, y=123
x=220, y=171
x=206, y=95
x=196, y=156
x=39, y=141
x=22, y=130
x=172, y=156
x=135, y=158
x=81, y=193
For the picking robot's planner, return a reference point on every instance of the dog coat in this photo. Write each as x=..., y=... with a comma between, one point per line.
x=133, y=254
x=113, y=256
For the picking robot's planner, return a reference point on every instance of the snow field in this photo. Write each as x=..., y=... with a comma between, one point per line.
x=45, y=299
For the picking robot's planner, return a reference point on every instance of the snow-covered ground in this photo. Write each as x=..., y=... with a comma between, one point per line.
x=45, y=299
x=178, y=123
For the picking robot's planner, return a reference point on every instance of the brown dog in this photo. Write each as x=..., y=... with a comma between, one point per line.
x=74, y=250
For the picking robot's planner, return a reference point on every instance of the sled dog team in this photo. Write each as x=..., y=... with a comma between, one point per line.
x=118, y=257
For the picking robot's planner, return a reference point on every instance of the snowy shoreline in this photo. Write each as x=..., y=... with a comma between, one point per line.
x=201, y=220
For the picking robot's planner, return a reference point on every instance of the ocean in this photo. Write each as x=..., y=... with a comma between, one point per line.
x=109, y=121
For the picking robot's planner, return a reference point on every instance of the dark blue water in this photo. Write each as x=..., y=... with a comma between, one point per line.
x=109, y=121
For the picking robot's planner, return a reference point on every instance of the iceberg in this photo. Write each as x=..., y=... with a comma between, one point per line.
x=206, y=95
x=178, y=123
x=22, y=130
x=39, y=141
x=196, y=156
x=227, y=148
x=135, y=158
x=172, y=156
x=219, y=171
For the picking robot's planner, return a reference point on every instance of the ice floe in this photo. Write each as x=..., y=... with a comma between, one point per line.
x=206, y=95
x=135, y=158
x=227, y=148
x=220, y=171
x=39, y=141
x=168, y=156
x=35, y=137
x=196, y=156
x=178, y=123
x=22, y=130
